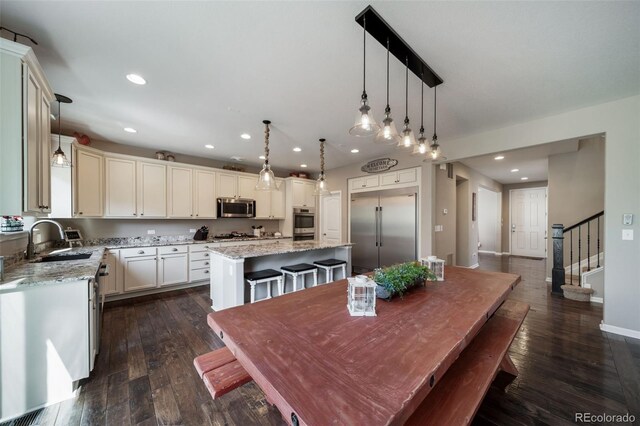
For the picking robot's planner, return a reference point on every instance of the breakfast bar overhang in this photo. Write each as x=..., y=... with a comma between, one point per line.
x=229, y=265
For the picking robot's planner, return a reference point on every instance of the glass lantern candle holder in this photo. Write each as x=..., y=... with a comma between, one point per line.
x=361, y=297
x=435, y=265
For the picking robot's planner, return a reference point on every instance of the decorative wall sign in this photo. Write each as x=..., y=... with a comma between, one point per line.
x=379, y=165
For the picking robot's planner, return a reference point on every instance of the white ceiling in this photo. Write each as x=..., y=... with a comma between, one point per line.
x=217, y=69
x=531, y=162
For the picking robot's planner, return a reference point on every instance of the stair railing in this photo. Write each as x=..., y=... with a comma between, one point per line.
x=558, y=235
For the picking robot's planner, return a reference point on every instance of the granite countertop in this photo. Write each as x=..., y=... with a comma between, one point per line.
x=31, y=274
x=126, y=242
x=279, y=247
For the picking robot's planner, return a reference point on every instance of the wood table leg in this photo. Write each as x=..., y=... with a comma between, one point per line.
x=507, y=373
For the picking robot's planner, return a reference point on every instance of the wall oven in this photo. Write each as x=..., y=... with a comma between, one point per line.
x=236, y=207
x=304, y=224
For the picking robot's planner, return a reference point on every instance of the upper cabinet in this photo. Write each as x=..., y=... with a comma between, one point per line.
x=120, y=188
x=25, y=153
x=271, y=204
x=152, y=190
x=232, y=185
x=87, y=181
x=204, y=199
x=180, y=200
x=397, y=179
x=303, y=193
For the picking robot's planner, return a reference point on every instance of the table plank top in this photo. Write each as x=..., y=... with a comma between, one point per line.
x=311, y=358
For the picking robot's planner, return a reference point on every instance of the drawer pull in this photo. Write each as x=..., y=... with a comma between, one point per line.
x=174, y=249
x=206, y=271
x=206, y=255
x=140, y=251
x=206, y=263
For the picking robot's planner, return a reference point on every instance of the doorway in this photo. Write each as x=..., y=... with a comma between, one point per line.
x=489, y=235
x=528, y=222
x=463, y=216
x=331, y=218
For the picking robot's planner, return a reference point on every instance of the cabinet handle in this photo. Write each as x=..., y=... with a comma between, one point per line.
x=141, y=214
x=174, y=249
x=206, y=263
x=206, y=271
x=191, y=215
x=206, y=255
x=79, y=212
x=196, y=214
x=134, y=214
x=162, y=258
x=140, y=251
x=363, y=185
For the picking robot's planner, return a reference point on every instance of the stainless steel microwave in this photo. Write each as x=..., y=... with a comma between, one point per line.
x=236, y=207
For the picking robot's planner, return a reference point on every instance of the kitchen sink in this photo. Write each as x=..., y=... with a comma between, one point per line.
x=64, y=257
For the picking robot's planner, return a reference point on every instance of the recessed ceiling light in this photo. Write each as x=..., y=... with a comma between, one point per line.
x=245, y=136
x=261, y=157
x=130, y=130
x=524, y=178
x=515, y=170
x=303, y=166
x=499, y=157
x=297, y=149
x=136, y=79
x=208, y=146
x=355, y=151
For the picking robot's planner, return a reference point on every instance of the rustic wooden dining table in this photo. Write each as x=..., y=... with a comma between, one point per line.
x=318, y=365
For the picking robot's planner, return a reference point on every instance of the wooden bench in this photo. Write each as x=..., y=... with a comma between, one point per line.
x=221, y=372
x=458, y=395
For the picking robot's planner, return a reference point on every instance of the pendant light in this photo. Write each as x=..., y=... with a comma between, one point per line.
x=59, y=159
x=435, y=148
x=422, y=147
x=266, y=179
x=388, y=134
x=365, y=124
x=407, y=139
x=321, y=183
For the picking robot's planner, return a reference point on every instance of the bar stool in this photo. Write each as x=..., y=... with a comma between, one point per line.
x=300, y=269
x=264, y=276
x=328, y=266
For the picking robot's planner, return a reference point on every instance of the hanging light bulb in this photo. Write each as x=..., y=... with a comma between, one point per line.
x=422, y=146
x=388, y=134
x=321, y=184
x=365, y=125
x=266, y=179
x=59, y=159
x=407, y=139
x=434, y=152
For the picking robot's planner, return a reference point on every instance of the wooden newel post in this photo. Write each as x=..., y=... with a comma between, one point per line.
x=557, y=273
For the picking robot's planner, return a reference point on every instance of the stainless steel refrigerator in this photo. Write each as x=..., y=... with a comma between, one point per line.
x=383, y=228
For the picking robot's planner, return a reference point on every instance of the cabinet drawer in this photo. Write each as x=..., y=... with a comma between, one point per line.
x=200, y=247
x=172, y=249
x=199, y=275
x=199, y=255
x=199, y=264
x=138, y=251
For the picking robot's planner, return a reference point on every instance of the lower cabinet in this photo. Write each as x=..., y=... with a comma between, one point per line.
x=139, y=270
x=109, y=283
x=173, y=265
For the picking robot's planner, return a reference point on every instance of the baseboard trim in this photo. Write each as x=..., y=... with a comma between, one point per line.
x=473, y=266
x=495, y=253
x=620, y=330
x=548, y=279
x=596, y=299
x=506, y=253
x=132, y=295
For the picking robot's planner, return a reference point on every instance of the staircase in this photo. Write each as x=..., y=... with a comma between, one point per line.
x=580, y=245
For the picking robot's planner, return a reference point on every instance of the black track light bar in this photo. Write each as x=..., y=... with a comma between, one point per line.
x=381, y=31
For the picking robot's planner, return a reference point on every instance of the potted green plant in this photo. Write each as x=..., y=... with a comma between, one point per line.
x=397, y=279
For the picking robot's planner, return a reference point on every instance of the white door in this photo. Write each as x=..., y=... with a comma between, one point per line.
x=152, y=190
x=227, y=185
x=180, y=192
x=529, y=222
x=331, y=218
x=309, y=194
x=173, y=269
x=247, y=187
x=120, y=177
x=204, y=202
x=298, y=193
x=278, y=201
x=139, y=273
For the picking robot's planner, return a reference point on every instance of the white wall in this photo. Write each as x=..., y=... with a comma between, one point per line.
x=488, y=220
x=620, y=121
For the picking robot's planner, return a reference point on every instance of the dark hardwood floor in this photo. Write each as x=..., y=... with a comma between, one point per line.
x=145, y=375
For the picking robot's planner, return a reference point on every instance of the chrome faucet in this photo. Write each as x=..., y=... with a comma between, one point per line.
x=31, y=249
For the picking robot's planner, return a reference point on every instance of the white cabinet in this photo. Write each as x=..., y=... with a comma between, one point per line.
x=199, y=262
x=247, y=187
x=109, y=283
x=399, y=177
x=152, y=189
x=204, y=199
x=363, y=182
x=173, y=265
x=303, y=194
x=232, y=185
x=25, y=153
x=120, y=188
x=180, y=199
x=88, y=183
x=139, y=270
x=271, y=204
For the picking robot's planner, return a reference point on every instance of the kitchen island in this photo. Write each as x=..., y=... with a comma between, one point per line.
x=229, y=264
